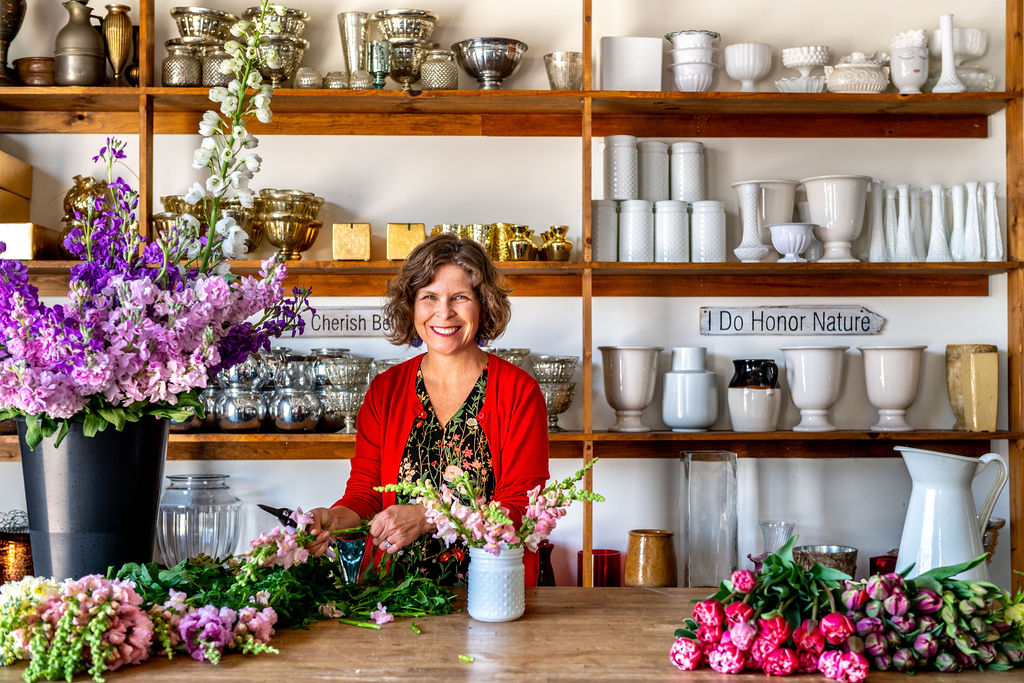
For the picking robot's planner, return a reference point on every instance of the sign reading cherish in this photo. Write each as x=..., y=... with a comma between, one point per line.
x=790, y=320
x=345, y=321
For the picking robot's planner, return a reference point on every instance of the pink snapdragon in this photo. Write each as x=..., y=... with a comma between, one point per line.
x=380, y=615
x=205, y=632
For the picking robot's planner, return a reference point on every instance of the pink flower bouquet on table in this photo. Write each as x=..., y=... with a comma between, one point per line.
x=459, y=511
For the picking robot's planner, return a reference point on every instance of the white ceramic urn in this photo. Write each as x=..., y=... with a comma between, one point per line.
x=690, y=396
x=892, y=374
x=836, y=205
x=815, y=376
x=629, y=378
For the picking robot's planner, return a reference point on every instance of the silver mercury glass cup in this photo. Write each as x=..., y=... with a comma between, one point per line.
x=378, y=61
x=489, y=60
x=407, y=55
x=557, y=398
x=350, y=399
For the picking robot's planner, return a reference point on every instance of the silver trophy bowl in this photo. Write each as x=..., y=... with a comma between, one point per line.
x=489, y=60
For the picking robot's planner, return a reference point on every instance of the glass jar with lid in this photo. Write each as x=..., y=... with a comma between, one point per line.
x=439, y=71
x=198, y=515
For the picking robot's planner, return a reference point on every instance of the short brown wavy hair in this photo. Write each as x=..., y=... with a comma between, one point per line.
x=419, y=270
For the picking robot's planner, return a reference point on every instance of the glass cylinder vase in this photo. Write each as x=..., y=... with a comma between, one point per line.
x=198, y=515
x=707, y=513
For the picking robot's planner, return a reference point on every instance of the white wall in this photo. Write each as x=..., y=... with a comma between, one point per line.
x=859, y=502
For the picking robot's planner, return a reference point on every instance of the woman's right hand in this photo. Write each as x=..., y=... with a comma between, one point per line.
x=325, y=520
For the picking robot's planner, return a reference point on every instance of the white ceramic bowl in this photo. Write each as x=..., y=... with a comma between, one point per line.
x=696, y=38
x=791, y=239
x=748, y=63
x=690, y=55
x=810, y=84
x=968, y=44
x=807, y=55
x=694, y=77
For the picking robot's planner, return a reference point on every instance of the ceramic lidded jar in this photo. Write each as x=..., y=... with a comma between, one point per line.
x=690, y=398
x=755, y=399
x=858, y=73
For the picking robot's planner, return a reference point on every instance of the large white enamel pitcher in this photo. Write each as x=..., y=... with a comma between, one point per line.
x=943, y=526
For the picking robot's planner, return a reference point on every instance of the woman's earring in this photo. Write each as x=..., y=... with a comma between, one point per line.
x=416, y=342
x=482, y=340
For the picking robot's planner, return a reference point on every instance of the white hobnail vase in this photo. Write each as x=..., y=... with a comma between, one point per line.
x=636, y=231
x=604, y=235
x=686, y=171
x=671, y=232
x=892, y=374
x=620, y=167
x=707, y=232
x=993, y=233
x=652, y=166
x=815, y=376
x=938, y=247
x=496, y=585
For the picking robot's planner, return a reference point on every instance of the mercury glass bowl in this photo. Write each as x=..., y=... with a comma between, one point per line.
x=202, y=22
x=489, y=60
x=514, y=356
x=407, y=55
x=350, y=399
x=347, y=371
x=331, y=417
x=379, y=365
x=558, y=369
x=250, y=374
x=557, y=398
x=293, y=22
x=405, y=23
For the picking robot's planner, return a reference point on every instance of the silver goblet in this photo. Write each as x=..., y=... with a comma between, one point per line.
x=489, y=60
x=557, y=398
x=280, y=56
x=350, y=399
x=407, y=55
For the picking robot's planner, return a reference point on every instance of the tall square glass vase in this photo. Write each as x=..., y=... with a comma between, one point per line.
x=707, y=516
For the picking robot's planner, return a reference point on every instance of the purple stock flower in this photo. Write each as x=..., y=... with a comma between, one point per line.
x=206, y=632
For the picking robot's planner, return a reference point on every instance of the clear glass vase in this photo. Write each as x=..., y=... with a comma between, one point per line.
x=198, y=515
x=707, y=516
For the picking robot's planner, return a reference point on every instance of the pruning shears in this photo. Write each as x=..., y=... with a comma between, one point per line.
x=284, y=515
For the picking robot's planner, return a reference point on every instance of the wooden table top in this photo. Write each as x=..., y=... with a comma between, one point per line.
x=566, y=634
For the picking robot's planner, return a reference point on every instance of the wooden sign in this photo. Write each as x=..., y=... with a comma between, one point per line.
x=345, y=321
x=789, y=320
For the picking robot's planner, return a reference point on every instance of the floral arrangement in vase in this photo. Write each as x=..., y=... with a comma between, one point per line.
x=784, y=620
x=460, y=511
x=200, y=607
x=148, y=322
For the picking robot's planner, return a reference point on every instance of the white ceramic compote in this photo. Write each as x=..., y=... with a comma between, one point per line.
x=791, y=239
x=892, y=374
x=815, y=376
x=629, y=378
x=804, y=60
x=748, y=63
x=836, y=206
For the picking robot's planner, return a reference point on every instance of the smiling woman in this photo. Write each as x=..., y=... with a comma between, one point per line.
x=453, y=406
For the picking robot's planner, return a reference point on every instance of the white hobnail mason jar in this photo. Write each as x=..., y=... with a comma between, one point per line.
x=686, y=171
x=671, y=232
x=707, y=232
x=620, y=167
x=652, y=164
x=636, y=231
x=604, y=233
x=496, y=589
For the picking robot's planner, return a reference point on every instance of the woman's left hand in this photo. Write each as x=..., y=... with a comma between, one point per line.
x=398, y=526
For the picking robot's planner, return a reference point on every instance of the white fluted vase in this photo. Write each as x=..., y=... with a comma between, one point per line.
x=496, y=589
x=993, y=233
x=876, y=237
x=974, y=244
x=958, y=195
x=938, y=247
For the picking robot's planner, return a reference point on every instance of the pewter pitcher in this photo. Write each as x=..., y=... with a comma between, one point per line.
x=943, y=526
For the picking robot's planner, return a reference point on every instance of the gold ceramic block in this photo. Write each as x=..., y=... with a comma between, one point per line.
x=981, y=392
x=13, y=208
x=29, y=241
x=351, y=242
x=15, y=176
x=403, y=238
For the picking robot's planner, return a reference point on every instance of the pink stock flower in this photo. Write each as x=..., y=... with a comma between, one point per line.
x=836, y=627
x=709, y=612
x=380, y=615
x=743, y=581
x=726, y=659
x=780, y=662
x=776, y=630
x=736, y=612
x=686, y=654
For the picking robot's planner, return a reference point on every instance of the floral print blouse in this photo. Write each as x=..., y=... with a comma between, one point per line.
x=429, y=450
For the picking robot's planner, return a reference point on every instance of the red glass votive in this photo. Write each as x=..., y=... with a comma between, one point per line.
x=882, y=564
x=607, y=567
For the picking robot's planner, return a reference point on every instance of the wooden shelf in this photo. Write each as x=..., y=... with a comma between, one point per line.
x=838, y=444
x=549, y=113
x=545, y=278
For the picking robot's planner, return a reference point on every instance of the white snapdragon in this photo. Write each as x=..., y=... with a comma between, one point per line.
x=263, y=115
x=244, y=137
x=201, y=157
x=233, y=243
x=245, y=197
x=215, y=185
x=272, y=58
x=239, y=178
x=260, y=101
x=253, y=162
x=194, y=194
x=230, y=66
x=218, y=94
x=209, y=124
x=276, y=9
x=254, y=80
x=241, y=28
x=233, y=47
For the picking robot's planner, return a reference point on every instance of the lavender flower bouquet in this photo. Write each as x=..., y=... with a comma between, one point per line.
x=147, y=323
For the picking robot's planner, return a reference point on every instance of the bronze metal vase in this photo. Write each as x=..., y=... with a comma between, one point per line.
x=117, y=32
x=12, y=13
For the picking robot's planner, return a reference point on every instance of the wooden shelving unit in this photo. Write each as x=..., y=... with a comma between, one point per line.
x=150, y=110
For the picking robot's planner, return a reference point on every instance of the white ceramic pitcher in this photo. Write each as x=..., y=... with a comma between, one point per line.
x=943, y=526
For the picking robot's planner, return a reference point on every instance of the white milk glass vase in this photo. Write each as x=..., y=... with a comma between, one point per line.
x=958, y=196
x=993, y=234
x=496, y=589
x=974, y=243
x=938, y=247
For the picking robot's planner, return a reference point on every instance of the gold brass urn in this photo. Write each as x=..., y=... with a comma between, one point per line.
x=80, y=198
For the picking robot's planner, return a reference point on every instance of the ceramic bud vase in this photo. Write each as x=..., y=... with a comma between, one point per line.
x=958, y=376
x=891, y=221
x=750, y=249
x=690, y=398
x=892, y=374
x=650, y=559
x=836, y=204
x=621, y=173
x=496, y=586
x=974, y=241
x=938, y=248
x=948, y=80
x=876, y=238
x=958, y=195
x=754, y=397
x=993, y=234
x=904, y=250
x=629, y=379
x=815, y=376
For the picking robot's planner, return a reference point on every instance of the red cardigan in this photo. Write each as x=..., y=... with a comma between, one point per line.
x=513, y=417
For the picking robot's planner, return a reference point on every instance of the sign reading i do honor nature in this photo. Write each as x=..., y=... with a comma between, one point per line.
x=789, y=320
x=345, y=321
